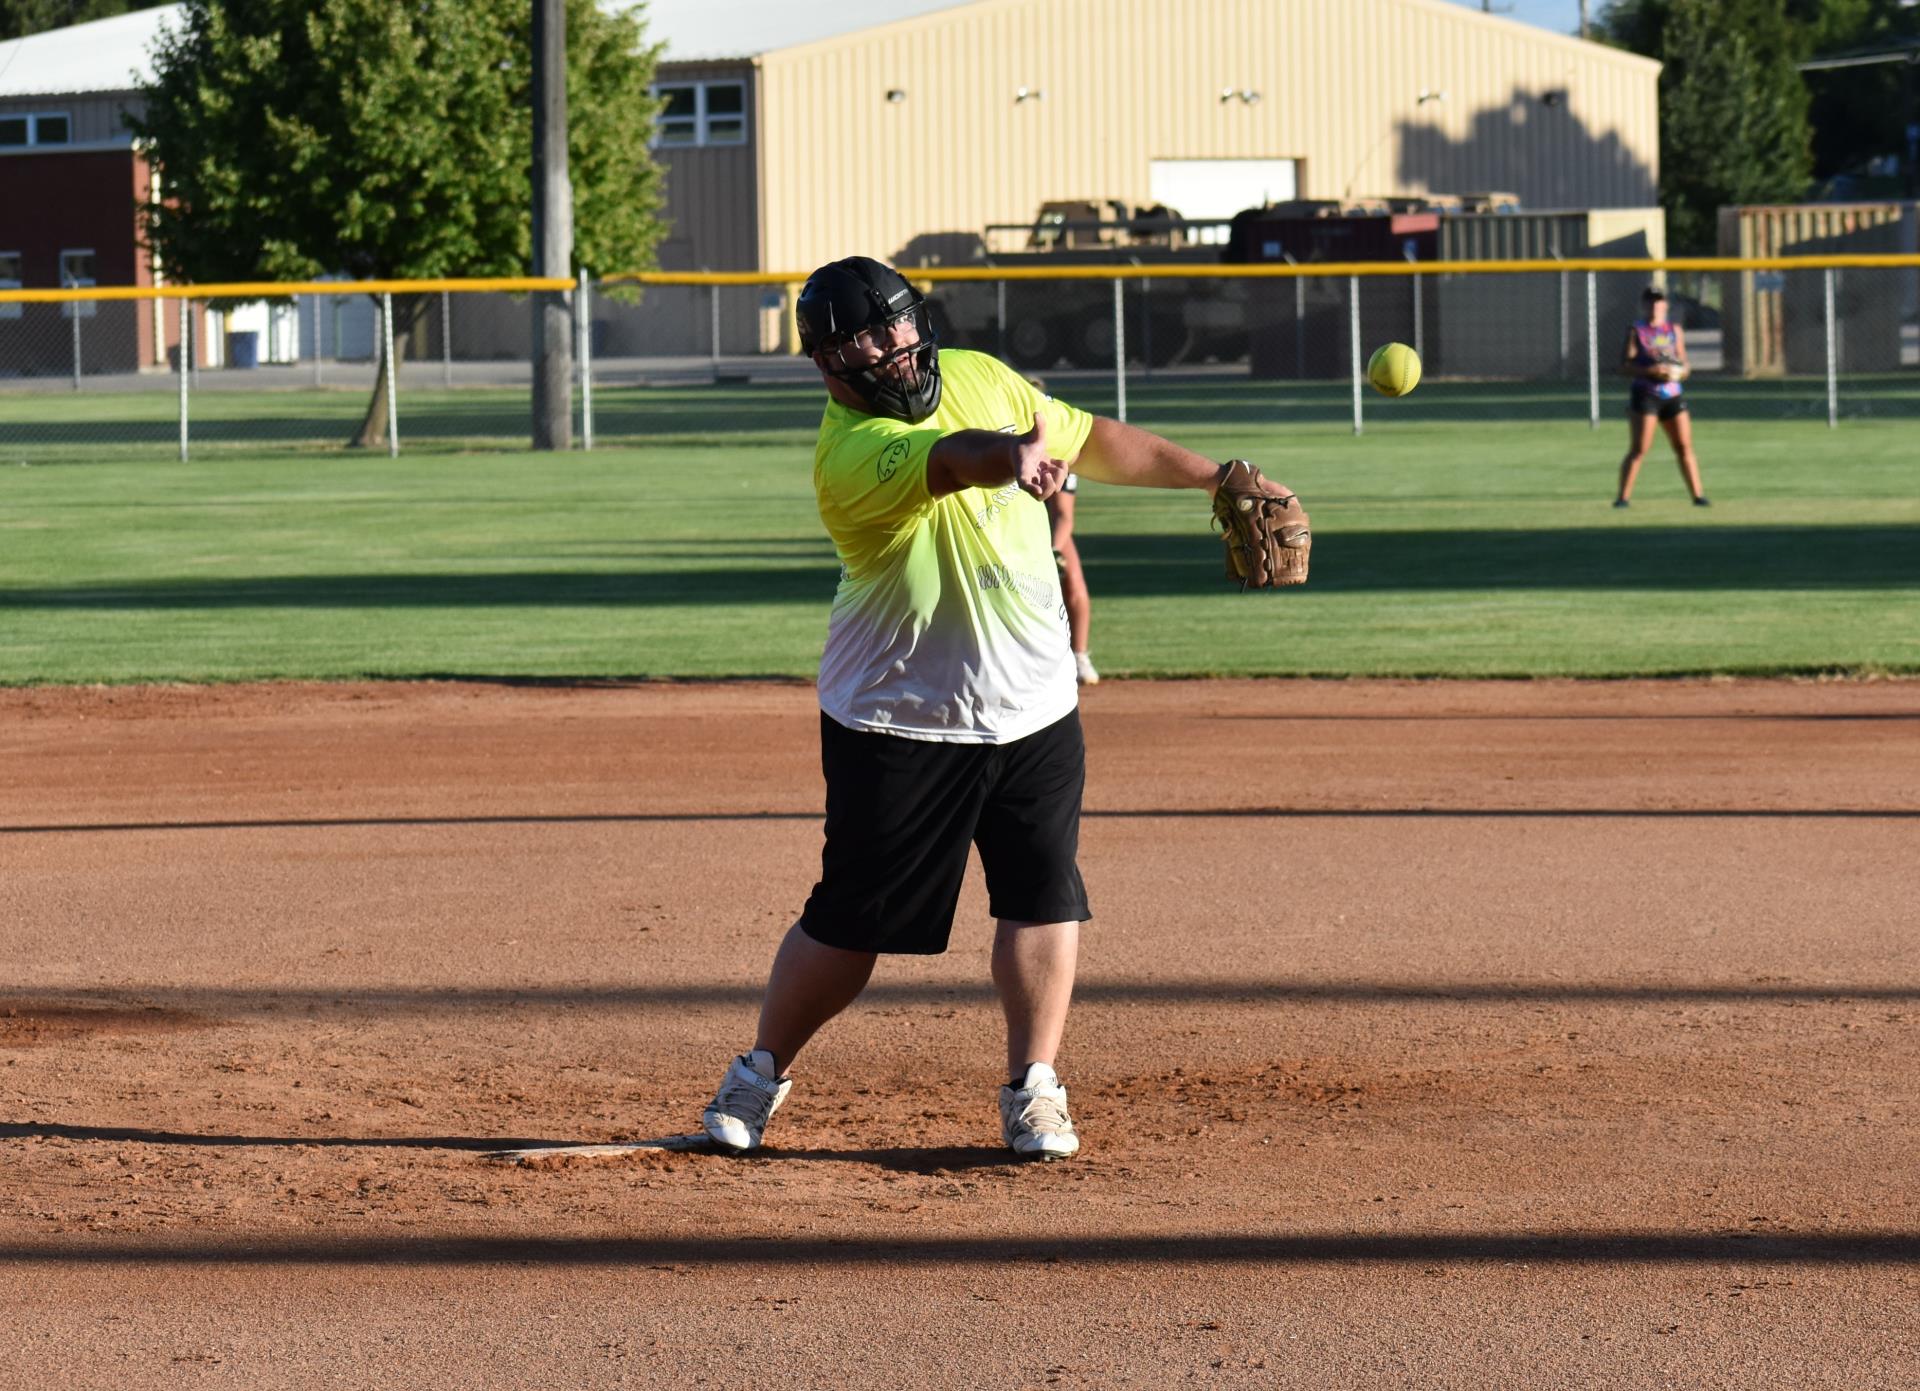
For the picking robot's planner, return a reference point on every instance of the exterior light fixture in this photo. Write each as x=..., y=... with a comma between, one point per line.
x=1241, y=94
x=1021, y=94
x=895, y=96
x=1427, y=95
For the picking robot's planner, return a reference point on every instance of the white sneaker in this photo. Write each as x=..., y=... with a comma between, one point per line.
x=749, y=1095
x=1033, y=1116
x=1083, y=669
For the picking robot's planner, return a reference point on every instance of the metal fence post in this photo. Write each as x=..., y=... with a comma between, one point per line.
x=1120, y=348
x=1561, y=366
x=1000, y=318
x=186, y=349
x=1833, y=358
x=1593, y=352
x=1419, y=317
x=446, y=339
x=1146, y=329
x=73, y=308
x=313, y=308
x=393, y=376
x=1299, y=322
x=583, y=355
x=1353, y=339
x=713, y=328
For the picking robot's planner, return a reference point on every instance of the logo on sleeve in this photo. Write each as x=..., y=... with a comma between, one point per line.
x=895, y=455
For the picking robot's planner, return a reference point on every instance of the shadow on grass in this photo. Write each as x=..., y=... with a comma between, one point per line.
x=492, y=416
x=1621, y=557
x=1186, y=404
x=499, y=417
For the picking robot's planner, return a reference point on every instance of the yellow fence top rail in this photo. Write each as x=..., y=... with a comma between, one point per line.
x=280, y=289
x=262, y=289
x=1315, y=270
x=1214, y=271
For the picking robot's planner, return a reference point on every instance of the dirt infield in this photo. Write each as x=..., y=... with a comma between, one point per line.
x=1428, y=1035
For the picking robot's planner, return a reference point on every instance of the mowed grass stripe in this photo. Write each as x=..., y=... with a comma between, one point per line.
x=1481, y=545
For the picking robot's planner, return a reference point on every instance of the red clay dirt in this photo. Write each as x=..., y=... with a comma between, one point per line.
x=1534, y=1034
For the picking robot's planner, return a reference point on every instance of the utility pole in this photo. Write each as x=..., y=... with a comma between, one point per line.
x=1584, y=32
x=552, y=230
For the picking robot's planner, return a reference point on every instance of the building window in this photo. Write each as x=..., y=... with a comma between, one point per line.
x=9, y=280
x=35, y=128
x=679, y=121
x=701, y=113
x=726, y=113
x=76, y=272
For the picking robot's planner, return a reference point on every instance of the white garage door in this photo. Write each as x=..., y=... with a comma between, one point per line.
x=1204, y=188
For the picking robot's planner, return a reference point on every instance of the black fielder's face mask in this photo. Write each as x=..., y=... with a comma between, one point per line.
x=893, y=366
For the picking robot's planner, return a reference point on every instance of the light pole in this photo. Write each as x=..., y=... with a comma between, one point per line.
x=552, y=230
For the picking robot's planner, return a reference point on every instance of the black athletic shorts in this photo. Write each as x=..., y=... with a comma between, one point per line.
x=1665, y=407
x=901, y=814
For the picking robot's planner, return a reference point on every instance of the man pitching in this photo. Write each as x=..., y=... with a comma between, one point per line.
x=947, y=689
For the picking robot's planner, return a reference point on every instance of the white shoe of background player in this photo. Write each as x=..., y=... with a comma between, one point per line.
x=1083, y=669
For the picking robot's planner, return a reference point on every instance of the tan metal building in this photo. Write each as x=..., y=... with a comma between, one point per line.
x=872, y=139
x=796, y=131
x=902, y=129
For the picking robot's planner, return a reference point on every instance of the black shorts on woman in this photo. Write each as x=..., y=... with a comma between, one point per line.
x=902, y=815
x=1644, y=402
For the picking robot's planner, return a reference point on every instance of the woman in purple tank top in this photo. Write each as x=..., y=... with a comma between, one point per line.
x=1656, y=360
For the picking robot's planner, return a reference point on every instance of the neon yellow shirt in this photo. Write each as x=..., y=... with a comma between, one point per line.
x=948, y=623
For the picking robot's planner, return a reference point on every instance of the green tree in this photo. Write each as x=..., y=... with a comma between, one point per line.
x=300, y=138
x=1860, y=114
x=18, y=18
x=1733, y=107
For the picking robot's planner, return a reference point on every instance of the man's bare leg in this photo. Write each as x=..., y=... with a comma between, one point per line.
x=1033, y=965
x=809, y=984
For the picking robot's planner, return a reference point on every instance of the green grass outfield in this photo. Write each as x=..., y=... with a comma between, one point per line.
x=1468, y=533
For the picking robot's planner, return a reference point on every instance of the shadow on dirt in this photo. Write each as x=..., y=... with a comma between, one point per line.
x=904, y=1159
x=135, y=1135
x=224, y=1003
x=1872, y=1247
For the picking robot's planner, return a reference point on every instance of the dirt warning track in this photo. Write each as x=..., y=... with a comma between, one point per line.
x=1435, y=1034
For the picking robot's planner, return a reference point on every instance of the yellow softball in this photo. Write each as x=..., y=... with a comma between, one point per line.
x=1394, y=369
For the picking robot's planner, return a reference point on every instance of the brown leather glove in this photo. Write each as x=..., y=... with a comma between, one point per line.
x=1264, y=528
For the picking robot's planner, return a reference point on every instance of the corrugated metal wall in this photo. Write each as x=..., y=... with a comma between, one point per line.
x=1124, y=82
x=713, y=217
x=95, y=115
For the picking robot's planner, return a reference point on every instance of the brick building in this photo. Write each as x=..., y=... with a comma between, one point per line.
x=71, y=185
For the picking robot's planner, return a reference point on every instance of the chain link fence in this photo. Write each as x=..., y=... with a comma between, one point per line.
x=336, y=367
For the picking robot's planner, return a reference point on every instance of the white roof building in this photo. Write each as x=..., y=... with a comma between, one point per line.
x=115, y=55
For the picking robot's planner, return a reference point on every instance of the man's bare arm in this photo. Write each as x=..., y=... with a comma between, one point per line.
x=1116, y=453
x=987, y=458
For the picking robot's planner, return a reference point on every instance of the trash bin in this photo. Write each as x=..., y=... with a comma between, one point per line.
x=243, y=348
